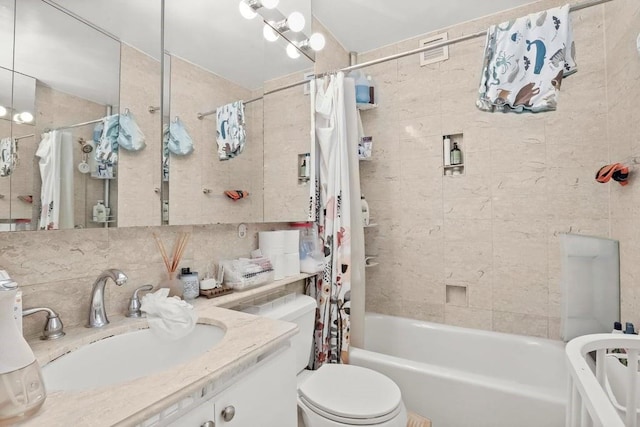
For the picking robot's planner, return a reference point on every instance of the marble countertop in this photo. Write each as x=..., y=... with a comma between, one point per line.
x=130, y=403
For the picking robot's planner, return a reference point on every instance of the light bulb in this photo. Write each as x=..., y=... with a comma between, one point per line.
x=25, y=117
x=316, y=41
x=246, y=11
x=292, y=52
x=3, y=111
x=270, y=4
x=16, y=118
x=295, y=22
x=269, y=34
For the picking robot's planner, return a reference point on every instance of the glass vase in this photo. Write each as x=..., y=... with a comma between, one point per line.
x=175, y=286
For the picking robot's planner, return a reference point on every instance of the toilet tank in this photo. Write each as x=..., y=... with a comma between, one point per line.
x=298, y=309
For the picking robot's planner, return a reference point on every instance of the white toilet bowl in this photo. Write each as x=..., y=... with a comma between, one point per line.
x=334, y=395
x=346, y=395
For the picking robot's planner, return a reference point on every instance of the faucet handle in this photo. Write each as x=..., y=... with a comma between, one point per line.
x=134, y=303
x=53, y=328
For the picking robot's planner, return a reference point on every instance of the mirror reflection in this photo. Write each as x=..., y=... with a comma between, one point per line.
x=220, y=69
x=92, y=131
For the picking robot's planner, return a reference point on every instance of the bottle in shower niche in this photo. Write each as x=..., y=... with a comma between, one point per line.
x=372, y=90
x=456, y=155
x=99, y=212
x=362, y=88
x=365, y=211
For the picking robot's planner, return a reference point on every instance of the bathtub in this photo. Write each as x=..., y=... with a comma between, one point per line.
x=460, y=377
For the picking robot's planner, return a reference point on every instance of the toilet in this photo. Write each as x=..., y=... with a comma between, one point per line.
x=334, y=395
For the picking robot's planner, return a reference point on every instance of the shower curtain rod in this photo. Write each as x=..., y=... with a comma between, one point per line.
x=18, y=138
x=573, y=8
x=208, y=113
x=77, y=125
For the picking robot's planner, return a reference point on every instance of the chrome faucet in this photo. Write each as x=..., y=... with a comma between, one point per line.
x=97, y=313
x=53, y=327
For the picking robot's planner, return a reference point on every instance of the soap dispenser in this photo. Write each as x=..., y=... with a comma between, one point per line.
x=22, y=390
x=456, y=155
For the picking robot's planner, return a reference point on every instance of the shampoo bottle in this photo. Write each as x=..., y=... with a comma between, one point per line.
x=365, y=211
x=362, y=88
x=372, y=90
x=99, y=212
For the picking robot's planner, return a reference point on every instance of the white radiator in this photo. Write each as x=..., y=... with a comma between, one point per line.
x=601, y=391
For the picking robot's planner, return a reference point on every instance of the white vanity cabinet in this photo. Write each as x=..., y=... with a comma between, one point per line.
x=262, y=396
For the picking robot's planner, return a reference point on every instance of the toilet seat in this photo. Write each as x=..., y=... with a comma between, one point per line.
x=351, y=395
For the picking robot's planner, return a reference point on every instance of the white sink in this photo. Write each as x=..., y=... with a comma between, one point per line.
x=126, y=357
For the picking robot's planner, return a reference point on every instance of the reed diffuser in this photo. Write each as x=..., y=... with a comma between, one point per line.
x=173, y=282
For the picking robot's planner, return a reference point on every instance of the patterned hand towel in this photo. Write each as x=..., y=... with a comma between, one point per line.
x=230, y=130
x=525, y=61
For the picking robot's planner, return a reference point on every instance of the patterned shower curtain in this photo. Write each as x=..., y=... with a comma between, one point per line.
x=331, y=199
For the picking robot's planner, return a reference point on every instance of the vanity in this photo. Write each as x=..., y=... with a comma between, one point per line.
x=246, y=379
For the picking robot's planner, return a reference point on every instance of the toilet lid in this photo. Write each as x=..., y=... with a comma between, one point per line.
x=351, y=392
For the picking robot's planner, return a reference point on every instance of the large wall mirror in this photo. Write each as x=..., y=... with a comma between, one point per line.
x=217, y=58
x=76, y=64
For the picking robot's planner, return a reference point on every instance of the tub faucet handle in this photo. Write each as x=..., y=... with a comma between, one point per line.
x=134, y=303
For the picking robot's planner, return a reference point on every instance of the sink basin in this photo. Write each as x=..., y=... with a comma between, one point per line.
x=126, y=357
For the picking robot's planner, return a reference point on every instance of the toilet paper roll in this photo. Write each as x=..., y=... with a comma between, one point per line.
x=291, y=264
x=291, y=241
x=271, y=242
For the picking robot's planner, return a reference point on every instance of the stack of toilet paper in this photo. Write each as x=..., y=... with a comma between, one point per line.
x=282, y=247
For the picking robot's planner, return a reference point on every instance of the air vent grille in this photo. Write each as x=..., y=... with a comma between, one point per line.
x=435, y=55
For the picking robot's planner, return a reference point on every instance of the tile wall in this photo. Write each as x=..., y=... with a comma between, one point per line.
x=494, y=230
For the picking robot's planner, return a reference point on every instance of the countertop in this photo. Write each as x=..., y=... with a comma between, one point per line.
x=130, y=403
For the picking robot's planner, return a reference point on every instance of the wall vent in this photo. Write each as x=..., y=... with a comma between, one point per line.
x=435, y=55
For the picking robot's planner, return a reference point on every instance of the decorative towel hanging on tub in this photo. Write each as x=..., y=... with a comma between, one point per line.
x=525, y=62
x=230, y=133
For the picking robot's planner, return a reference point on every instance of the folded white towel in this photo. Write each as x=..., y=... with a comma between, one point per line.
x=169, y=318
x=525, y=61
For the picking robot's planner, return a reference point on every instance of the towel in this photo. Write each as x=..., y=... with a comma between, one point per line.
x=8, y=156
x=169, y=317
x=230, y=133
x=525, y=62
x=617, y=171
x=130, y=136
x=177, y=139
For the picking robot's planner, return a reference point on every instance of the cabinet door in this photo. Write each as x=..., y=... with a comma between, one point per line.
x=265, y=397
x=198, y=417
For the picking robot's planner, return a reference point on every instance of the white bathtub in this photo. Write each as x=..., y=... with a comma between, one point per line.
x=460, y=377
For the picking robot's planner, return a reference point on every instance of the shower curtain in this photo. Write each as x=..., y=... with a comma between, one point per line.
x=55, y=154
x=332, y=199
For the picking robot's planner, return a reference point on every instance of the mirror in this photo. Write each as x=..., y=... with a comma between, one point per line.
x=214, y=62
x=80, y=62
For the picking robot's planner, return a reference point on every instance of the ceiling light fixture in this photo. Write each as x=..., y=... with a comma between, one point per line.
x=3, y=111
x=247, y=11
x=295, y=22
x=24, y=117
x=269, y=33
x=270, y=4
x=315, y=42
x=248, y=8
x=292, y=51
